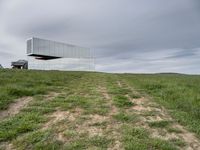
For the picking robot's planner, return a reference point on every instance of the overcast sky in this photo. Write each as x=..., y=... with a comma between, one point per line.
x=139, y=36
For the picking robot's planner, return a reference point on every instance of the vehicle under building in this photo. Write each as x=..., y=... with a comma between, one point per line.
x=20, y=64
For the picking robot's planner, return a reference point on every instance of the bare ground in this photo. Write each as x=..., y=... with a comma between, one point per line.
x=14, y=108
x=51, y=95
x=88, y=125
x=20, y=103
x=112, y=126
x=104, y=92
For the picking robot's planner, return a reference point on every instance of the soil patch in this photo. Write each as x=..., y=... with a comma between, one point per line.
x=61, y=115
x=51, y=95
x=90, y=127
x=14, y=108
x=113, y=109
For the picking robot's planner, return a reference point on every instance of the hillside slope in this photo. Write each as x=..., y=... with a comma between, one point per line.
x=81, y=110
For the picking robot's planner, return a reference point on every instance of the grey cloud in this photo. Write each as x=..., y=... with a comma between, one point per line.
x=127, y=35
x=184, y=54
x=5, y=55
x=156, y=61
x=6, y=58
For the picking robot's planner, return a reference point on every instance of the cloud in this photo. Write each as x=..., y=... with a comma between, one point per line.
x=127, y=35
x=5, y=54
x=6, y=58
x=169, y=60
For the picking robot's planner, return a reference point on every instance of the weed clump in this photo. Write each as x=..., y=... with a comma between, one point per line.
x=159, y=124
x=122, y=101
x=124, y=117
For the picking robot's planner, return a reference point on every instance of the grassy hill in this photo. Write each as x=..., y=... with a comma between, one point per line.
x=89, y=110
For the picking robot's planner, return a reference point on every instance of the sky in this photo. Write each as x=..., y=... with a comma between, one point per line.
x=136, y=36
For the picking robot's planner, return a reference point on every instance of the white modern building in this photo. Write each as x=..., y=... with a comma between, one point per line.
x=51, y=55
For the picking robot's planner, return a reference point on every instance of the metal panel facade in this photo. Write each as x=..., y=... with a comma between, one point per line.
x=57, y=49
x=29, y=46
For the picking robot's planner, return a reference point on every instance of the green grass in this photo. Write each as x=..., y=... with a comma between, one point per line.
x=174, y=130
x=46, y=140
x=38, y=139
x=124, y=117
x=18, y=83
x=122, y=101
x=178, y=142
x=180, y=94
x=78, y=89
x=19, y=124
x=138, y=139
x=159, y=124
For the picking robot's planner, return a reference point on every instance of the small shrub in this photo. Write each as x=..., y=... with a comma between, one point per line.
x=123, y=117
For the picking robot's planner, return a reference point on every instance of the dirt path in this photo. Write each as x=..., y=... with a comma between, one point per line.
x=150, y=112
x=14, y=108
x=105, y=94
x=89, y=124
x=112, y=125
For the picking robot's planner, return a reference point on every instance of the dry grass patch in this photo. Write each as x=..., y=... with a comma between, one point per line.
x=60, y=115
x=51, y=95
x=92, y=125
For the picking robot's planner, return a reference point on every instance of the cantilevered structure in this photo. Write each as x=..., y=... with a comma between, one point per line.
x=51, y=53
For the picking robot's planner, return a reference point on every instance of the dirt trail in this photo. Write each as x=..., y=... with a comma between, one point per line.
x=60, y=115
x=119, y=83
x=14, y=108
x=151, y=112
x=105, y=94
x=114, y=127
